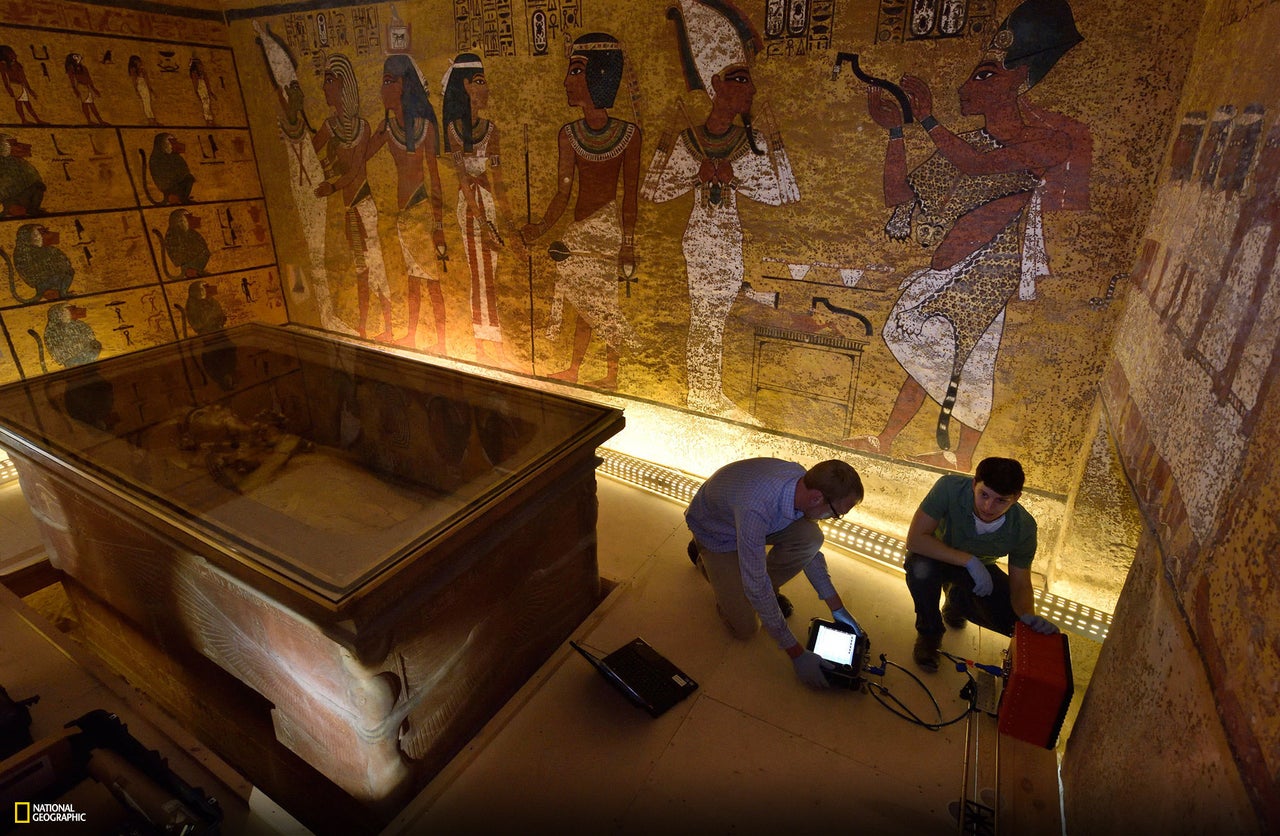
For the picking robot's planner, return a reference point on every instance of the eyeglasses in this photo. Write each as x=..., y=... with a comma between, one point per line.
x=835, y=515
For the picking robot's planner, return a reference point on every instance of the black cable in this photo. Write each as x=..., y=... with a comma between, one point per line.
x=968, y=692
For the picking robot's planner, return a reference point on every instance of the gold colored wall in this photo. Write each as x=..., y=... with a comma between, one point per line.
x=803, y=348
x=803, y=322
x=85, y=228
x=1190, y=676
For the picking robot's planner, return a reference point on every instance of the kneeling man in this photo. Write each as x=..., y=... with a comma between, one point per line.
x=752, y=505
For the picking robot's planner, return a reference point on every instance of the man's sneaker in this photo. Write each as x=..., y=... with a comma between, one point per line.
x=693, y=551
x=952, y=617
x=925, y=653
x=784, y=604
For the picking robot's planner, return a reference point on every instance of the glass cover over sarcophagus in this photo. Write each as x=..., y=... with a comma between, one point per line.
x=355, y=536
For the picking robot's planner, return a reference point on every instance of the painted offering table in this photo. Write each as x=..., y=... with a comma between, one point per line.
x=373, y=553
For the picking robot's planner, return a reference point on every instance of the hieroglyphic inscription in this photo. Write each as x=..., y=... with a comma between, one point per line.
x=549, y=22
x=797, y=27
x=913, y=20
x=484, y=26
x=311, y=34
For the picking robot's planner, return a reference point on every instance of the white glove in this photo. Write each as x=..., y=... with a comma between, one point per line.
x=1039, y=624
x=981, y=577
x=809, y=667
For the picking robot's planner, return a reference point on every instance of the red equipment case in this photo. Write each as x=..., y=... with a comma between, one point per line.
x=1038, y=687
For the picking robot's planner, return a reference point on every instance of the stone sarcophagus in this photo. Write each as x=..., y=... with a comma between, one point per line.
x=374, y=552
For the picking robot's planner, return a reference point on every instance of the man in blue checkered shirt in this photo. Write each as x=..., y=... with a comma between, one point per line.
x=754, y=528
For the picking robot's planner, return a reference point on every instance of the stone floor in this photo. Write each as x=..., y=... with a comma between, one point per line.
x=751, y=751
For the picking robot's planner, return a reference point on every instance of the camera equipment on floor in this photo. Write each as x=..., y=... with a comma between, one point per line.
x=1038, y=687
x=152, y=798
x=843, y=646
x=15, y=723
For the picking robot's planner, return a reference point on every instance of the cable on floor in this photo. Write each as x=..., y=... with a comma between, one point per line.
x=890, y=701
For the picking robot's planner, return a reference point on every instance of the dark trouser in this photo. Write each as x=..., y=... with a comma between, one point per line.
x=927, y=578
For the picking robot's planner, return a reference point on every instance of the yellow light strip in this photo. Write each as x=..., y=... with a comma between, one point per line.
x=858, y=541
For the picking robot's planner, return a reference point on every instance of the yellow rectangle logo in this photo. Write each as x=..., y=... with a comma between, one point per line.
x=22, y=812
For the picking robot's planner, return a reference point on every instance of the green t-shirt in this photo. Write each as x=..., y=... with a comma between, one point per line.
x=950, y=502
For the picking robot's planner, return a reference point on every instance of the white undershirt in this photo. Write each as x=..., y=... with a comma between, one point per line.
x=987, y=527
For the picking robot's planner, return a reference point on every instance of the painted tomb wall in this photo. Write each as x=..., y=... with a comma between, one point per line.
x=132, y=213
x=608, y=219
x=1189, y=676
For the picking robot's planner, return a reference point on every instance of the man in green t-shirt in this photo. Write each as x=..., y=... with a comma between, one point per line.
x=960, y=529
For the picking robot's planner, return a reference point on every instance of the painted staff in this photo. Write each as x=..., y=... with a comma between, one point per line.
x=883, y=83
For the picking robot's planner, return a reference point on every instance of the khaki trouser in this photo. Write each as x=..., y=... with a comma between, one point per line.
x=792, y=549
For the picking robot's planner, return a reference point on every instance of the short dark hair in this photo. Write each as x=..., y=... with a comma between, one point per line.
x=1004, y=476
x=835, y=479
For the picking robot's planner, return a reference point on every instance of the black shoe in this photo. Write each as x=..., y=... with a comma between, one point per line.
x=784, y=604
x=925, y=653
x=693, y=551
x=952, y=617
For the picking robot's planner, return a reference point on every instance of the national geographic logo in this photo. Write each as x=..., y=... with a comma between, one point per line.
x=24, y=812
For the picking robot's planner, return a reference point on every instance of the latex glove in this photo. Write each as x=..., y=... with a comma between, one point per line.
x=982, y=584
x=809, y=667
x=843, y=616
x=1040, y=624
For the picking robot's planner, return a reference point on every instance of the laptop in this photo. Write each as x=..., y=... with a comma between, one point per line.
x=843, y=646
x=643, y=675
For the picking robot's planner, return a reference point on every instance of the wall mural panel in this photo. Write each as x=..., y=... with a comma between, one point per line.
x=720, y=208
x=50, y=170
x=1208, y=289
x=130, y=207
x=704, y=206
x=200, y=239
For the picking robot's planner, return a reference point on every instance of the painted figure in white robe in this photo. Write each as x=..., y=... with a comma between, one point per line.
x=598, y=247
x=304, y=170
x=474, y=145
x=342, y=144
x=720, y=161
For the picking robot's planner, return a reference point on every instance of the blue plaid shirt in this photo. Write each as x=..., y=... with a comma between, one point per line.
x=741, y=504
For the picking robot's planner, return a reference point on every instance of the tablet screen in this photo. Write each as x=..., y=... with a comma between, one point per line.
x=835, y=645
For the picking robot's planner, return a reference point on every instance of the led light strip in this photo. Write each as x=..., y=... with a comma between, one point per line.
x=853, y=538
